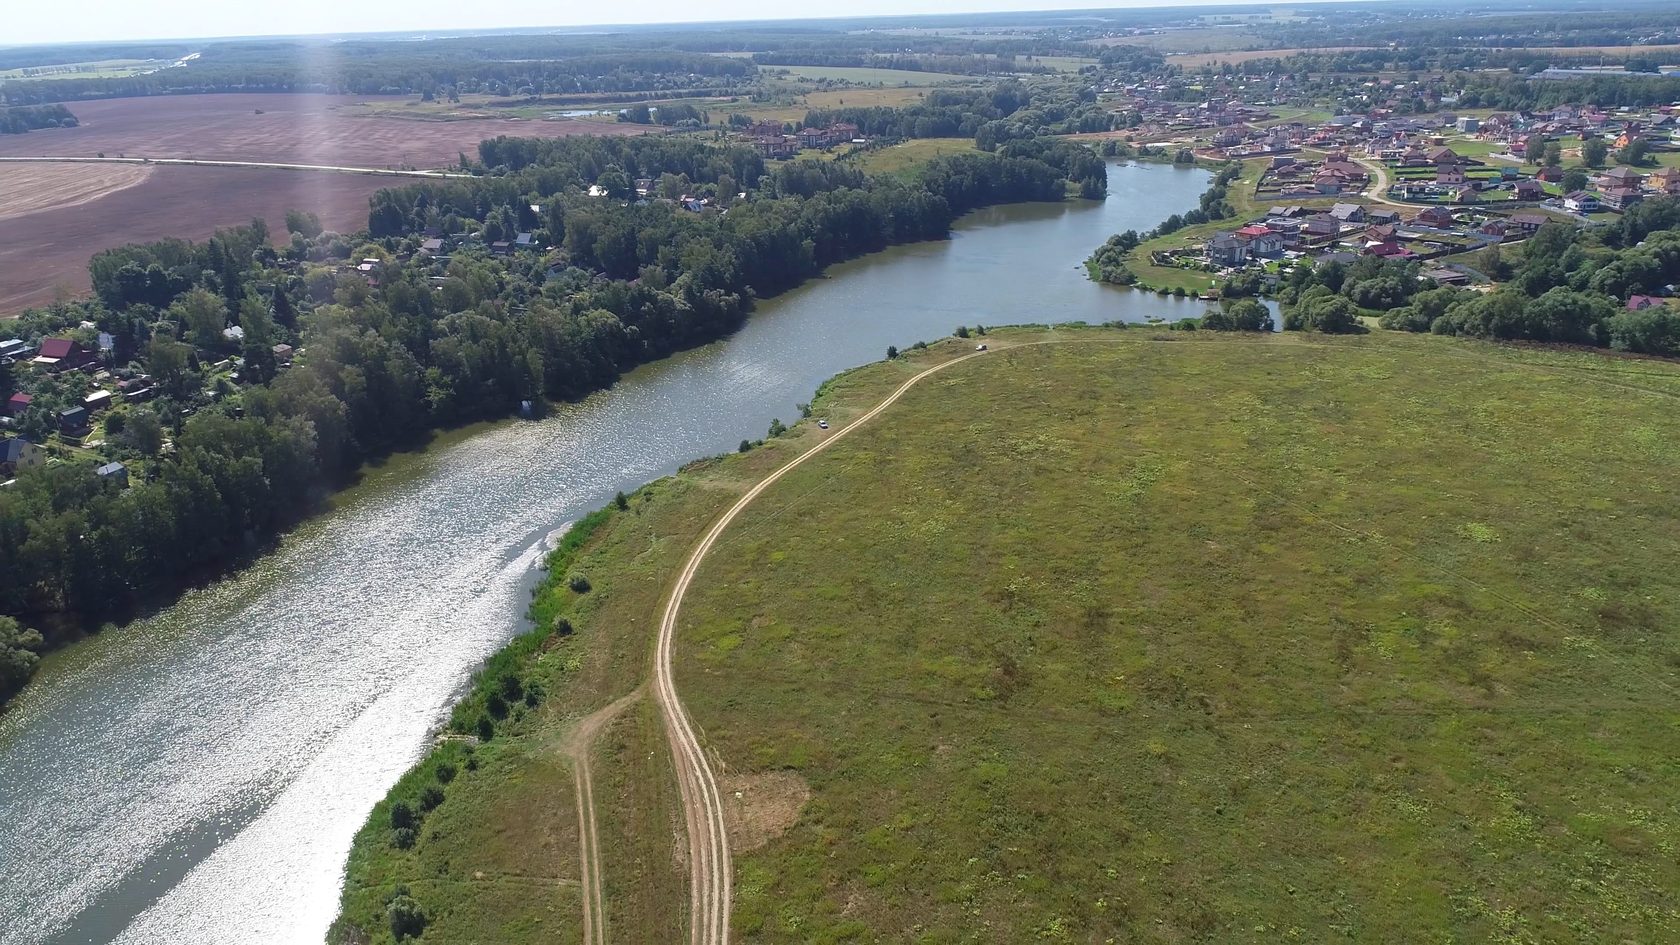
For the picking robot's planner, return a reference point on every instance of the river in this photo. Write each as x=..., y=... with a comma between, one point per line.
x=197, y=776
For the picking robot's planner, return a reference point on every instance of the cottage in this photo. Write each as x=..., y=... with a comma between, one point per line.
x=17, y=453
x=61, y=354
x=1494, y=228
x=1667, y=180
x=98, y=400
x=1528, y=190
x=1526, y=223
x=1227, y=250
x=1449, y=175
x=282, y=353
x=1441, y=156
x=1551, y=175
x=1348, y=213
x=1389, y=217
x=431, y=247
x=1469, y=125
x=74, y=421
x=17, y=404
x=1446, y=276
x=1620, y=187
x=113, y=472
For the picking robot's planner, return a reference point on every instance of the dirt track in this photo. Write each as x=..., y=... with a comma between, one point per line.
x=711, y=872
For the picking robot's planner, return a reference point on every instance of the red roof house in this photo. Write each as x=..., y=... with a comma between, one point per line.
x=18, y=403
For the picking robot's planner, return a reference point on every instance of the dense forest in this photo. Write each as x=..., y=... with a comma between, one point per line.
x=233, y=453
x=20, y=119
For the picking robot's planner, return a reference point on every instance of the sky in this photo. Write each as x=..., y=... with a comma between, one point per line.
x=33, y=21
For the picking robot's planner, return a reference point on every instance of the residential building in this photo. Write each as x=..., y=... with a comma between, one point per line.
x=17, y=404
x=1526, y=223
x=17, y=453
x=1348, y=212
x=74, y=421
x=1227, y=250
x=113, y=472
x=61, y=354
x=1581, y=201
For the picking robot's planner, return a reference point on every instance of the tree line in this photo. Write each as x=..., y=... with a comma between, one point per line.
x=21, y=119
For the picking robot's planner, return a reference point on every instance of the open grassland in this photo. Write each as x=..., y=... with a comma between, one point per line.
x=1203, y=39
x=1142, y=637
x=1153, y=639
x=908, y=158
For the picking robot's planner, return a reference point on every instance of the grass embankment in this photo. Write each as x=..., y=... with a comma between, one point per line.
x=1154, y=638
x=1224, y=640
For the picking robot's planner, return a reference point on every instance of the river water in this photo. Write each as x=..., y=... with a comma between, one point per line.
x=197, y=776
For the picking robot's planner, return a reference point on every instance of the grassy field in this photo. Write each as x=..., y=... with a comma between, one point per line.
x=867, y=76
x=1145, y=637
x=1369, y=639
x=907, y=158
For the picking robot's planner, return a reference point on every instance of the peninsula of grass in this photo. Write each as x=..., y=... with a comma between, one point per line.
x=1133, y=636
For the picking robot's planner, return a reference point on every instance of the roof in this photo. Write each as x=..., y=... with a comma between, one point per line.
x=1254, y=230
x=20, y=398
x=1342, y=211
x=1637, y=303
x=57, y=348
x=1578, y=195
x=110, y=468
x=1535, y=218
x=73, y=413
x=1623, y=173
x=11, y=449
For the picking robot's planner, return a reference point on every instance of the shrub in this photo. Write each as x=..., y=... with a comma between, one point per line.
x=445, y=772
x=892, y=352
x=407, y=919
x=746, y=446
x=578, y=583
x=621, y=501
x=430, y=797
x=562, y=627
x=402, y=815
x=777, y=427
x=486, y=731
x=403, y=838
x=962, y=331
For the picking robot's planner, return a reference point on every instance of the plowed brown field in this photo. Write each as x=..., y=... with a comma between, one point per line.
x=57, y=216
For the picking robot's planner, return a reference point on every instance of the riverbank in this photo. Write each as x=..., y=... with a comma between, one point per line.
x=1015, y=718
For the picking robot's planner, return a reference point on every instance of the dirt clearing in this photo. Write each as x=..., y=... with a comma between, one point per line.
x=26, y=188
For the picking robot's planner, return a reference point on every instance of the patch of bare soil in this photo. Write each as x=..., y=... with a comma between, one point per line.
x=758, y=808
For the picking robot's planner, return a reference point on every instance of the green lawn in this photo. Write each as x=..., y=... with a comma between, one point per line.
x=1215, y=639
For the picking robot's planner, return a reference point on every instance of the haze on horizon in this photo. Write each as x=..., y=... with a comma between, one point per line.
x=81, y=21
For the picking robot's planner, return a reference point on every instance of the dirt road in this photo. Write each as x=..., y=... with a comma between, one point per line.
x=711, y=874
x=578, y=746
x=193, y=162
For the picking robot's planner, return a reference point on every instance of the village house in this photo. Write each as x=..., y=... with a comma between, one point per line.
x=1530, y=222
x=1667, y=180
x=1551, y=175
x=1639, y=303
x=1348, y=212
x=17, y=453
x=1620, y=187
x=1449, y=175
x=1528, y=190
x=1581, y=201
x=1321, y=225
x=13, y=348
x=98, y=400
x=61, y=354
x=74, y=421
x=113, y=472
x=1438, y=217
x=17, y=404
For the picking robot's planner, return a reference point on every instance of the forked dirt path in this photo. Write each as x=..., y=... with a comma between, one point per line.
x=577, y=747
x=711, y=875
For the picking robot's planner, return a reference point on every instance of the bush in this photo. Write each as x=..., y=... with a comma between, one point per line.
x=578, y=583
x=745, y=447
x=402, y=815
x=430, y=797
x=621, y=501
x=407, y=919
x=486, y=731
x=1650, y=331
x=403, y=838
x=777, y=427
x=445, y=772
x=892, y=352
x=562, y=627
x=962, y=331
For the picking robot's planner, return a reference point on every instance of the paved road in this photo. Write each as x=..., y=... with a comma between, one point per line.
x=711, y=873
x=193, y=162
